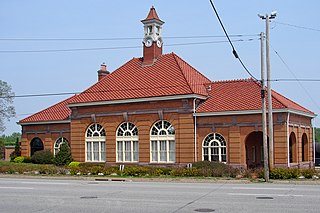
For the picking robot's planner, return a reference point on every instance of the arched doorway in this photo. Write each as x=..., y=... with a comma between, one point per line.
x=304, y=147
x=254, y=150
x=36, y=145
x=292, y=148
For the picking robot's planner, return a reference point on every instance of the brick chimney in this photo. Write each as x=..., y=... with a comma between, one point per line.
x=103, y=71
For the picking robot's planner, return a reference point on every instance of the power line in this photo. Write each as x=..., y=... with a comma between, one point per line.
x=122, y=38
x=233, y=49
x=132, y=89
x=114, y=48
x=297, y=26
x=298, y=80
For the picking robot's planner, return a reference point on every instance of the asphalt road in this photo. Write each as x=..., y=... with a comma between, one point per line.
x=50, y=195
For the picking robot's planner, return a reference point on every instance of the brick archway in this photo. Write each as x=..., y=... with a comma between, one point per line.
x=36, y=145
x=293, y=148
x=304, y=147
x=254, y=150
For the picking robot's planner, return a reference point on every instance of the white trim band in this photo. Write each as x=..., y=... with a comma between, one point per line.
x=247, y=112
x=136, y=100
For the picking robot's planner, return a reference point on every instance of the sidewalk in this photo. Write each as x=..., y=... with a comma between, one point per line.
x=166, y=179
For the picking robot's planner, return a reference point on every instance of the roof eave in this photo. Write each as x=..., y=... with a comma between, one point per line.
x=250, y=112
x=137, y=100
x=43, y=122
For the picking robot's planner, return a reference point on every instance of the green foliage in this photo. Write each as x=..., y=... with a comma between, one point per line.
x=2, y=147
x=19, y=159
x=317, y=133
x=74, y=164
x=27, y=160
x=10, y=140
x=284, y=173
x=7, y=110
x=17, y=150
x=308, y=173
x=63, y=157
x=135, y=171
x=42, y=157
x=214, y=169
x=185, y=172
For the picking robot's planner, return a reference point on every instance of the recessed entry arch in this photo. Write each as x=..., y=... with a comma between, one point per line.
x=254, y=150
x=36, y=144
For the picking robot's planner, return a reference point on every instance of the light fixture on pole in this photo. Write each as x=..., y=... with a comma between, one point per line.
x=270, y=117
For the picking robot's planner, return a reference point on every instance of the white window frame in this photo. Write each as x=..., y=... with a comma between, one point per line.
x=58, y=143
x=130, y=136
x=168, y=138
x=208, y=143
x=98, y=135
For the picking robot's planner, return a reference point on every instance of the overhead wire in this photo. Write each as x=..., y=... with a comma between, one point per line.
x=297, y=26
x=236, y=55
x=115, y=48
x=122, y=38
x=296, y=79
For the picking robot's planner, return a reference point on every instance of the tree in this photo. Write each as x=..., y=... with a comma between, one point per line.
x=317, y=134
x=7, y=110
x=10, y=140
x=2, y=147
x=63, y=157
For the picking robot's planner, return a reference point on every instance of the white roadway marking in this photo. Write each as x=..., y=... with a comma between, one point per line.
x=267, y=195
x=45, y=183
x=13, y=187
x=284, y=189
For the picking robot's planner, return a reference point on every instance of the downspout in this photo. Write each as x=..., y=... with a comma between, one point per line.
x=195, y=130
x=288, y=139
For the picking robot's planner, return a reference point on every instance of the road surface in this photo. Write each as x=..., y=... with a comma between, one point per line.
x=51, y=195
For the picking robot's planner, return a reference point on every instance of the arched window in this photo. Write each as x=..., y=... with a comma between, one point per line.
x=214, y=148
x=95, y=143
x=58, y=144
x=127, y=143
x=162, y=137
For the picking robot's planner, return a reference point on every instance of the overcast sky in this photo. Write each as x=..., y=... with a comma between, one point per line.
x=294, y=36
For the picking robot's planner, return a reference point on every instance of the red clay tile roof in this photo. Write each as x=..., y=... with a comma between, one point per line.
x=57, y=112
x=168, y=76
x=152, y=14
x=241, y=95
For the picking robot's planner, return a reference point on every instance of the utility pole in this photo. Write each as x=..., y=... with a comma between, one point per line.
x=264, y=116
x=270, y=116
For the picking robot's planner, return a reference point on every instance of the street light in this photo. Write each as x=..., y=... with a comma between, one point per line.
x=270, y=118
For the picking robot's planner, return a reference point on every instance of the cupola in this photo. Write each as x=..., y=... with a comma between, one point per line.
x=152, y=41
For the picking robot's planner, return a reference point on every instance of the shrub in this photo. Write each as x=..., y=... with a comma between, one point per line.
x=19, y=159
x=74, y=164
x=27, y=160
x=42, y=157
x=135, y=171
x=308, y=173
x=63, y=157
x=213, y=169
x=284, y=173
x=185, y=172
x=74, y=167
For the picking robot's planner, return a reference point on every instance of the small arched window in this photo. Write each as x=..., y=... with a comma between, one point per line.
x=214, y=148
x=162, y=139
x=95, y=143
x=127, y=143
x=58, y=144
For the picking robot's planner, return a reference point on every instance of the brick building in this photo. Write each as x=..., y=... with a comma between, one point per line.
x=158, y=109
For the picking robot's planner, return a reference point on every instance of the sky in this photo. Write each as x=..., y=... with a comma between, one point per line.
x=79, y=24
